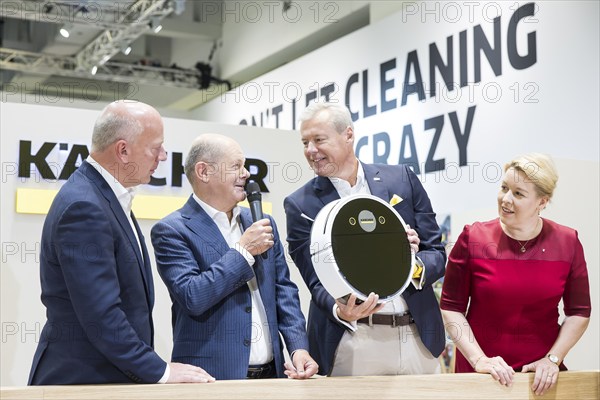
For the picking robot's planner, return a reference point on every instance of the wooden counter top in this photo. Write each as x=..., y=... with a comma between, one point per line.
x=571, y=385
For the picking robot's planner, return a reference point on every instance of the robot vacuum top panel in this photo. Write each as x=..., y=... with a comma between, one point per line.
x=370, y=247
x=368, y=252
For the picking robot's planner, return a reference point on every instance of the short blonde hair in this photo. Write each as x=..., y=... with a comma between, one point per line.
x=539, y=169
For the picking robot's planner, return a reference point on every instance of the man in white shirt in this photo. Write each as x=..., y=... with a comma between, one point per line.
x=227, y=276
x=404, y=336
x=95, y=271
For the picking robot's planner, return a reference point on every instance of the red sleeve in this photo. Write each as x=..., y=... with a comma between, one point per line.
x=576, y=298
x=457, y=281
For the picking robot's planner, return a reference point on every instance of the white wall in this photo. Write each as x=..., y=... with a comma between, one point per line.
x=380, y=9
x=254, y=31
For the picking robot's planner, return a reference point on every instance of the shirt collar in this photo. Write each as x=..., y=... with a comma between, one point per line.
x=219, y=217
x=124, y=195
x=343, y=187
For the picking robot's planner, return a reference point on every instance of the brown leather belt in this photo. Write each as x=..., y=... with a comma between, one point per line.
x=386, y=319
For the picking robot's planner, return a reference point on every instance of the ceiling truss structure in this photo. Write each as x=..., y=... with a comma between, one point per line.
x=37, y=63
x=123, y=23
x=136, y=20
x=100, y=15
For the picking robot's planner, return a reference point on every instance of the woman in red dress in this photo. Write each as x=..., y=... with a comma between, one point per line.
x=509, y=275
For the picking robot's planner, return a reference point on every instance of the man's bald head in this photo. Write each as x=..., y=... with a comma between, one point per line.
x=209, y=148
x=123, y=119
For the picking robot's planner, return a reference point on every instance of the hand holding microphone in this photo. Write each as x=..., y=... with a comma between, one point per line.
x=258, y=238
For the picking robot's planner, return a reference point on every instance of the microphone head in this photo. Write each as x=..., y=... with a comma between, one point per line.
x=253, y=191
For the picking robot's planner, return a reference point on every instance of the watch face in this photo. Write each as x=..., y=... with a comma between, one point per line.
x=553, y=358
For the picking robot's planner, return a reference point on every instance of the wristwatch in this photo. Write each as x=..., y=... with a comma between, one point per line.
x=554, y=358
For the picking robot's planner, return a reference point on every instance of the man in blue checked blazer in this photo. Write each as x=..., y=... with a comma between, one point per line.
x=404, y=336
x=94, y=266
x=227, y=276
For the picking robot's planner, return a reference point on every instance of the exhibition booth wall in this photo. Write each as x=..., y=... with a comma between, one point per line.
x=483, y=84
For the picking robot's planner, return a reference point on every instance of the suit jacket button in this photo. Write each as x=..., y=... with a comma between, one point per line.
x=248, y=309
x=246, y=342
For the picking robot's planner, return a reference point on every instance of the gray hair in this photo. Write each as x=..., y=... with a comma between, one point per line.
x=113, y=125
x=201, y=150
x=339, y=115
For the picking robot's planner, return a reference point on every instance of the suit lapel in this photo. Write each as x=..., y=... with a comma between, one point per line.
x=259, y=265
x=199, y=222
x=147, y=268
x=94, y=176
x=245, y=218
x=246, y=221
x=325, y=190
x=376, y=182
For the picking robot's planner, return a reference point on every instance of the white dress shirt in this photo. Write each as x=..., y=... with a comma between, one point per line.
x=124, y=195
x=261, y=349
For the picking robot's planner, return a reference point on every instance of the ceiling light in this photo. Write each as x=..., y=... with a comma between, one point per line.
x=155, y=25
x=126, y=50
x=94, y=69
x=104, y=59
x=64, y=31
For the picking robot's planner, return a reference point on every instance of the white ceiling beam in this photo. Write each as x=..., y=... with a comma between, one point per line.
x=179, y=29
x=96, y=14
x=139, y=16
x=44, y=64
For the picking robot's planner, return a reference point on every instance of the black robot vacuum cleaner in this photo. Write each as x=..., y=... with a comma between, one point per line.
x=359, y=245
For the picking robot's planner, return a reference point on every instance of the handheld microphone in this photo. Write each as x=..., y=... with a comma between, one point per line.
x=255, y=201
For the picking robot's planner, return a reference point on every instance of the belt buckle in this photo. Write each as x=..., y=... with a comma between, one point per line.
x=394, y=324
x=255, y=372
x=259, y=372
x=370, y=320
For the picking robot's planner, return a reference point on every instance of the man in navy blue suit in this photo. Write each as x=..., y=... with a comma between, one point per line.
x=404, y=336
x=94, y=266
x=227, y=276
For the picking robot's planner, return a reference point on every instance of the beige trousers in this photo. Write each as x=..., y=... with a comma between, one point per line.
x=383, y=350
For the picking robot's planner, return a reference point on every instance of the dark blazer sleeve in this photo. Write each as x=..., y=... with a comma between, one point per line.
x=86, y=252
x=298, y=238
x=431, y=250
x=292, y=324
x=196, y=289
